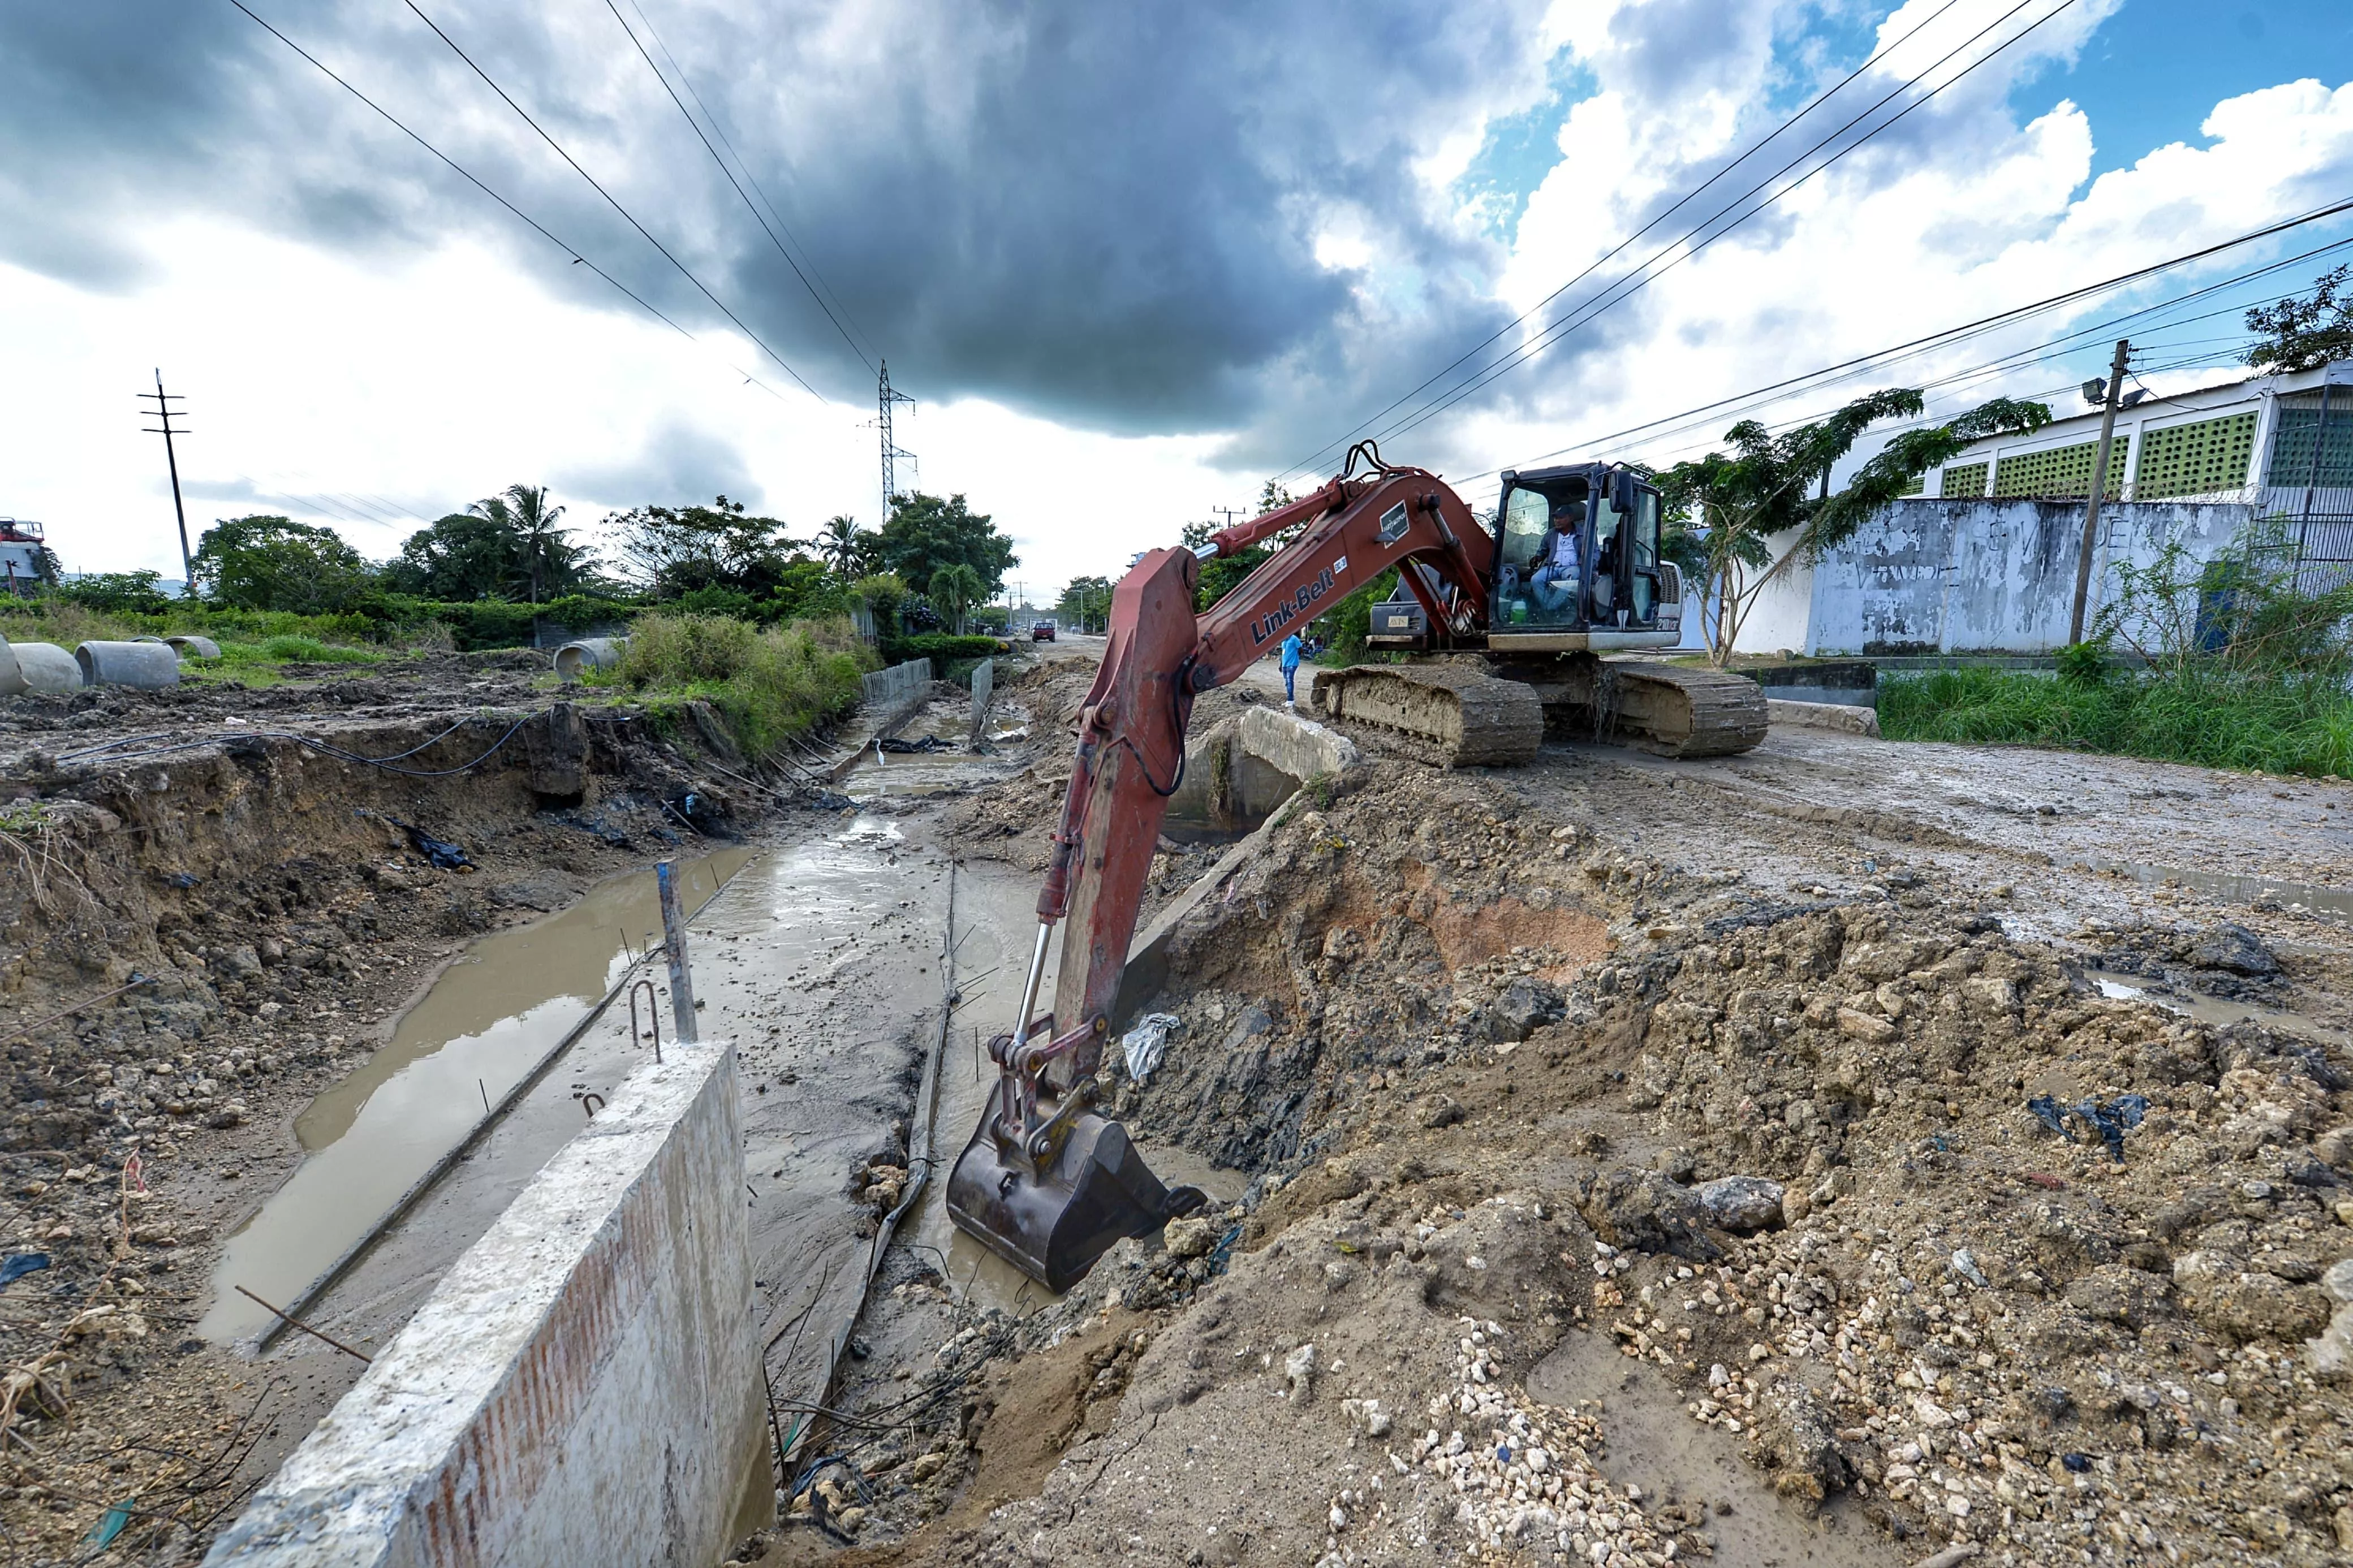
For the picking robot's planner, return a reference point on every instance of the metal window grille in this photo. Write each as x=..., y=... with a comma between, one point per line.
x=2195, y=459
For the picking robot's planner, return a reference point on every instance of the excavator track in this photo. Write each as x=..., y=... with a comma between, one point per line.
x=1462, y=714
x=1677, y=711
x=1457, y=716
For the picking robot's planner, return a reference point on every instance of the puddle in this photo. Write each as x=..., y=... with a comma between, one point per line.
x=1205, y=810
x=483, y=1024
x=1653, y=1445
x=879, y=774
x=2232, y=887
x=2212, y=1010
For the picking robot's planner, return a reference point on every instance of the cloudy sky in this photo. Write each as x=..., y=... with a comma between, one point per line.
x=1128, y=260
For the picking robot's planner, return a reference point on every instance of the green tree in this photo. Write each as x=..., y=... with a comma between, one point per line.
x=460, y=558
x=956, y=589
x=546, y=555
x=1734, y=508
x=274, y=564
x=1085, y=602
x=118, y=593
x=925, y=533
x=843, y=547
x=2305, y=332
x=674, y=551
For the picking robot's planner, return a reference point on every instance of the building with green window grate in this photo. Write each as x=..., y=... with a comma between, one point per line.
x=2235, y=441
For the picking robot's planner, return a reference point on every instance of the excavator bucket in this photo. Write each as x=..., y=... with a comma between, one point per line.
x=1052, y=1223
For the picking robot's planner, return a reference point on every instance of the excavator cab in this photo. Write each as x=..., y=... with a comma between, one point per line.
x=1577, y=551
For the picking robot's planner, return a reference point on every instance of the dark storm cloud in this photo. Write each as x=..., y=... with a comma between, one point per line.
x=1104, y=215
x=678, y=465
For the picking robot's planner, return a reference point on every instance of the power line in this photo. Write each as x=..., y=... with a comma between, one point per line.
x=720, y=129
x=1638, y=279
x=463, y=173
x=612, y=202
x=1680, y=201
x=1949, y=336
x=739, y=192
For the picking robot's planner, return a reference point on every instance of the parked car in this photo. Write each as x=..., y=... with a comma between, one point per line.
x=1041, y=631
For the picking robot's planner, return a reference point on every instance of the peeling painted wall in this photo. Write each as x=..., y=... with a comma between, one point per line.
x=1989, y=576
x=584, y=1387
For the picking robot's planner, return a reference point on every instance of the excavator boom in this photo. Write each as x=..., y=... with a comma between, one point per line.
x=1047, y=1182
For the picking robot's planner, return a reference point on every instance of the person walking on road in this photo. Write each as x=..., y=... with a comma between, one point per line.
x=1290, y=649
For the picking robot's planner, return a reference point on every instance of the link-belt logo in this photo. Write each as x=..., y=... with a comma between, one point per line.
x=1291, y=609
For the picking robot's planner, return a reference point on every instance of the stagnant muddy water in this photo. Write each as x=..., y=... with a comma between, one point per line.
x=483, y=1023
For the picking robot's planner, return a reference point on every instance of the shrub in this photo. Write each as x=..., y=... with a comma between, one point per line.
x=941, y=646
x=768, y=685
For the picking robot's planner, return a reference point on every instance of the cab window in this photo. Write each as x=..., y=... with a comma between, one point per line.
x=1527, y=514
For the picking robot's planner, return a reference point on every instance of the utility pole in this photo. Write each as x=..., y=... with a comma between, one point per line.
x=1232, y=513
x=891, y=451
x=165, y=428
x=2099, y=485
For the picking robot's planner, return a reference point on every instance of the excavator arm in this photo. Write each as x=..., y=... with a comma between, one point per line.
x=1047, y=1182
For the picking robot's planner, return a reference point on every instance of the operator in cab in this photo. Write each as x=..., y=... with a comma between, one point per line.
x=1553, y=584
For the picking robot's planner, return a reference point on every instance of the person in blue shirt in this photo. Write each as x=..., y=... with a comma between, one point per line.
x=1553, y=584
x=1290, y=649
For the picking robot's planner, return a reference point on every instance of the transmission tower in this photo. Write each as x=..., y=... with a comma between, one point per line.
x=891, y=450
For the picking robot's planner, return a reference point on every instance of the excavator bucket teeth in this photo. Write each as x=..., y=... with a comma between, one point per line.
x=1053, y=1224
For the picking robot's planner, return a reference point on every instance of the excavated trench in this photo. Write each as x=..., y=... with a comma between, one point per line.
x=1568, y=1203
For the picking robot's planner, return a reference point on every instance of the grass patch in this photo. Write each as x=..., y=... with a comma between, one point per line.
x=768, y=685
x=297, y=650
x=2282, y=724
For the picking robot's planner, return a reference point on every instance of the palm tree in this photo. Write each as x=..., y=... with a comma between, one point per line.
x=544, y=548
x=956, y=588
x=838, y=543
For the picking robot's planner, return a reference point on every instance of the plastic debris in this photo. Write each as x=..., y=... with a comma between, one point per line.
x=444, y=855
x=1146, y=1043
x=22, y=1264
x=892, y=745
x=117, y=1518
x=2111, y=1118
x=1964, y=1264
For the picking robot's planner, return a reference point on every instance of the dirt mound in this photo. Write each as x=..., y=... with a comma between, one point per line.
x=1799, y=1159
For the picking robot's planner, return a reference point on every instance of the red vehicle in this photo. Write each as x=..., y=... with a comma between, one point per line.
x=1041, y=631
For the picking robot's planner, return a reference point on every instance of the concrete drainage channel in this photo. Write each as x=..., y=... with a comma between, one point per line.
x=593, y=1362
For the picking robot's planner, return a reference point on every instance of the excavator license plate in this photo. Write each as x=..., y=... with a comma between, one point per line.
x=1052, y=1223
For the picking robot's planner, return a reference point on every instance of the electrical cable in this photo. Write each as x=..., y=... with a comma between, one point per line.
x=1681, y=251
x=760, y=190
x=1680, y=201
x=615, y=203
x=1603, y=300
x=739, y=192
x=1946, y=337
x=326, y=749
x=468, y=175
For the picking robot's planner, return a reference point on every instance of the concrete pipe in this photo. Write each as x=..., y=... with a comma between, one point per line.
x=191, y=647
x=45, y=669
x=142, y=665
x=574, y=660
x=12, y=683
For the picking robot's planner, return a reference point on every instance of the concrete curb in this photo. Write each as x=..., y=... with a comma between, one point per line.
x=1841, y=717
x=583, y=1386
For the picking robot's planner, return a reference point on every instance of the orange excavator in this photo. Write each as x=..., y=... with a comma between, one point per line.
x=1515, y=617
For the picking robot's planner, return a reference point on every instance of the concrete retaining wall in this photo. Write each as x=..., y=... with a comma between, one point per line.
x=1930, y=576
x=583, y=1386
x=891, y=694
